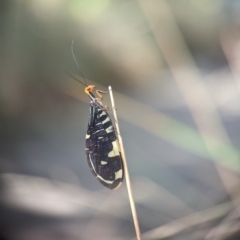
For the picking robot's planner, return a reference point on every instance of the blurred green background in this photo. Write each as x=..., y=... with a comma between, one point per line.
x=174, y=67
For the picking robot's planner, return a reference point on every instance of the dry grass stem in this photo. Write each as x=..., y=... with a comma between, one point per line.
x=128, y=182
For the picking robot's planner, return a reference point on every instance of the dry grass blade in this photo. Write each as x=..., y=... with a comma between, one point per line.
x=181, y=224
x=158, y=14
x=128, y=182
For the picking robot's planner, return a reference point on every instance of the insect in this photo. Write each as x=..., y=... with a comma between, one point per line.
x=102, y=147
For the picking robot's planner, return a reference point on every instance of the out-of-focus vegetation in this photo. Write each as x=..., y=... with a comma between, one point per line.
x=175, y=71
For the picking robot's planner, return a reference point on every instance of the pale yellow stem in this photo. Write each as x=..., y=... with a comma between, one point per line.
x=128, y=182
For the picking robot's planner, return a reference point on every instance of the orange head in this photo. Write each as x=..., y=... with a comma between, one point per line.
x=89, y=89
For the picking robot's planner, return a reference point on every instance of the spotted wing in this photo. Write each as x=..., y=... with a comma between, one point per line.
x=104, y=157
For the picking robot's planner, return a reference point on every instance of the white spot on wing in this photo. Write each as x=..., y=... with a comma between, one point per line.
x=106, y=120
x=118, y=174
x=109, y=129
x=115, y=151
x=103, y=114
x=87, y=136
x=103, y=163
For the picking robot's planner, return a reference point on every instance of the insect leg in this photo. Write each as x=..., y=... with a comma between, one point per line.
x=100, y=92
x=100, y=97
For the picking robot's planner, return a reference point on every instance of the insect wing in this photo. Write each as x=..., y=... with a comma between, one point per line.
x=104, y=157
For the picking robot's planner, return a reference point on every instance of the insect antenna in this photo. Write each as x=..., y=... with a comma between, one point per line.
x=78, y=65
x=70, y=75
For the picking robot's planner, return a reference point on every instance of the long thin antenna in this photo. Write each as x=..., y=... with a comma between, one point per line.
x=70, y=75
x=77, y=63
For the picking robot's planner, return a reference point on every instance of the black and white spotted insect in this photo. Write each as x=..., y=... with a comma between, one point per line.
x=102, y=147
